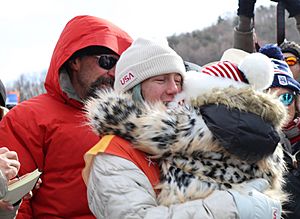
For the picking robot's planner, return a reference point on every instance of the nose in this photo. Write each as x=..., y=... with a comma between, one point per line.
x=111, y=72
x=172, y=88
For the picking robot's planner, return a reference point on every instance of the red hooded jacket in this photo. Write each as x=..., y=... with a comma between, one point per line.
x=48, y=131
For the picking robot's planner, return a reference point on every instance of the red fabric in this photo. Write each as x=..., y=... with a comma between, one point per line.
x=292, y=130
x=122, y=148
x=224, y=69
x=48, y=131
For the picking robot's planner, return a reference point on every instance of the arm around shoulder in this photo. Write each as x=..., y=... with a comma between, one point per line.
x=119, y=189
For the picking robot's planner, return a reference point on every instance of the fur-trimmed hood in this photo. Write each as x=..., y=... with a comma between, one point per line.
x=151, y=124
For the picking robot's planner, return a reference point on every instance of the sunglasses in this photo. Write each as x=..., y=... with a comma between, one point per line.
x=295, y=158
x=107, y=62
x=287, y=98
x=291, y=60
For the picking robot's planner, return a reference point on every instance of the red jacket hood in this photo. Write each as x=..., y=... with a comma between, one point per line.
x=80, y=32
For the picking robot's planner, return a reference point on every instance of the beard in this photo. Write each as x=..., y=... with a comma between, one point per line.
x=101, y=83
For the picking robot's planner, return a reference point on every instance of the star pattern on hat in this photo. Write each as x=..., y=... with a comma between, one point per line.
x=281, y=67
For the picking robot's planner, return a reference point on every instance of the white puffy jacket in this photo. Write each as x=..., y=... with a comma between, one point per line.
x=118, y=189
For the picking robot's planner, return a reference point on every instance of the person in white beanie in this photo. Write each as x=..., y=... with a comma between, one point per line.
x=121, y=180
x=144, y=60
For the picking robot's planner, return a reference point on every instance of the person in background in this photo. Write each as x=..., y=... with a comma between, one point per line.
x=9, y=166
x=244, y=33
x=47, y=131
x=291, y=53
x=121, y=179
x=3, y=109
x=288, y=89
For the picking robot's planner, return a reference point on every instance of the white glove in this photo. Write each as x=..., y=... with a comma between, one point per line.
x=253, y=204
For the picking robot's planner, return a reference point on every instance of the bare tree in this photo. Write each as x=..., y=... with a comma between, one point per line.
x=29, y=85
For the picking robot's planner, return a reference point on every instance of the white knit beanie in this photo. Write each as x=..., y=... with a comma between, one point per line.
x=144, y=59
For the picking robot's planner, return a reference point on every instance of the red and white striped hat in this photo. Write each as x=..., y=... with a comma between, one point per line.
x=255, y=70
x=225, y=69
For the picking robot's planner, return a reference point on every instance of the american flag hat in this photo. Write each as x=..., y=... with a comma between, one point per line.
x=255, y=70
x=283, y=77
x=225, y=69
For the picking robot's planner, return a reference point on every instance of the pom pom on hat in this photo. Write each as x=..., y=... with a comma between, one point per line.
x=272, y=51
x=258, y=70
x=144, y=59
x=283, y=76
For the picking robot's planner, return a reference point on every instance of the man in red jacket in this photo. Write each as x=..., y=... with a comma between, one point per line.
x=48, y=131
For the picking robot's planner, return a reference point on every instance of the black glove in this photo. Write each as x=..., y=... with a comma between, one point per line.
x=246, y=8
x=292, y=6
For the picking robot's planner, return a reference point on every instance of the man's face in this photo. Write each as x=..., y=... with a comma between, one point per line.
x=161, y=88
x=294, y=66
x=89, y=75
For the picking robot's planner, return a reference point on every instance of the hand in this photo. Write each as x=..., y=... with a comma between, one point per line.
x=37, y=186
x=30, y=194
x=292, y=6
x=6, y=205
x=246, y=8
x=9, y=163
x=252, y=203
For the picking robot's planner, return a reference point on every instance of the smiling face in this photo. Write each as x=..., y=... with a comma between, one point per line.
x=161, y=88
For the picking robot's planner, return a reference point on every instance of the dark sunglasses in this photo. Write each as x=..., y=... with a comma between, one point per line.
x=107, y=61
x=291, y=60
x=295, y=158
x=287, y=98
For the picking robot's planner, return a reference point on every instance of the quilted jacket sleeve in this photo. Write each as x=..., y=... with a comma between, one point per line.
x=118, y=189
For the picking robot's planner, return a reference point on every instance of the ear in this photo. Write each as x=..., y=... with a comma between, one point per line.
x=74, y=64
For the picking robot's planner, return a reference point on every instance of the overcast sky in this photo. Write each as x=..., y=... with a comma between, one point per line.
x=30, y=28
